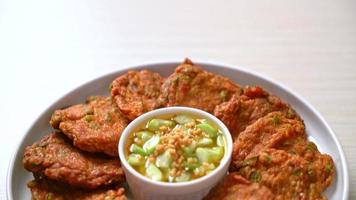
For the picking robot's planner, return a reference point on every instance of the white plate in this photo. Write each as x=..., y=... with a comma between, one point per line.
x=317, y=128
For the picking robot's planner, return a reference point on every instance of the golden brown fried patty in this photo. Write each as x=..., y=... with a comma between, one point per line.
x=289, y=176
x=43, y=189
x=191, y=86
x=271, y=131
x=242, y=110
x=55, y=158
x=136, y=92
x=235, y=187
x=94, y=127
x=274, y=151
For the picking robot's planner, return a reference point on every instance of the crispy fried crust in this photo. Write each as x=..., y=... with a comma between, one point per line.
x=55, y=158
x=271, y=131
x=235, y=187
x=274, y=151
x=242, y=110
x=42, y=189
x=290, y=176
x=136, y=92
x=94, y=127
x=191, y=86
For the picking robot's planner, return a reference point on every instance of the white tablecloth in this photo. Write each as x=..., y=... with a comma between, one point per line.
x=49, y=47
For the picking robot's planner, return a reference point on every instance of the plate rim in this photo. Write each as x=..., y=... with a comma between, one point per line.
x=134, y=66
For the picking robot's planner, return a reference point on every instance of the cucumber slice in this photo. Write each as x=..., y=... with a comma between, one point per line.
x=189, y=150
x=144, y=135
x=220, y=141
x=137, y=149
x=210, y=155
x=155, y=124
x=150, y=146
x=191, y=166
x=208, y=129
x=183, y=119
x=154, y=173
x=164, y=160
x=136, y=160
x=204, y=142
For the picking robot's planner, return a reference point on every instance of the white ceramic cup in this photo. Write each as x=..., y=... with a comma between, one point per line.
x=144, y=188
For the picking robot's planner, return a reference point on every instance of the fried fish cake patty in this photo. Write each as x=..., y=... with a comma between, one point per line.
x=277, y=131
x=192, y=86
x=275, y=152
x=136, y=92
x=55, y=158
x=242, y=110
x=290, y=176
x=42, y=189
x=94, y=127
x=271, y=131
x=236, y=187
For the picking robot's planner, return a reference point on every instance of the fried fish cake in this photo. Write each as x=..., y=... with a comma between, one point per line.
x=290, y=176
x=136, y=92
x=275, y=152
x=94, y=127
x=278, y=132
x=55, y=158
x=42, y=189
x=242, y=110
x=271, y=131
x=192, y=86
x=236, y=187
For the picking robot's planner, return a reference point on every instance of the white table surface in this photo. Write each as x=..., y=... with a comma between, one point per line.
x=49, y=47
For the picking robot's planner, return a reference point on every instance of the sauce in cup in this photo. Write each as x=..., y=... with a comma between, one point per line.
x=175, y=148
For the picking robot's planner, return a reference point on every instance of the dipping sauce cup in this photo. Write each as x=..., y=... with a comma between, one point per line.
x=145, y=188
